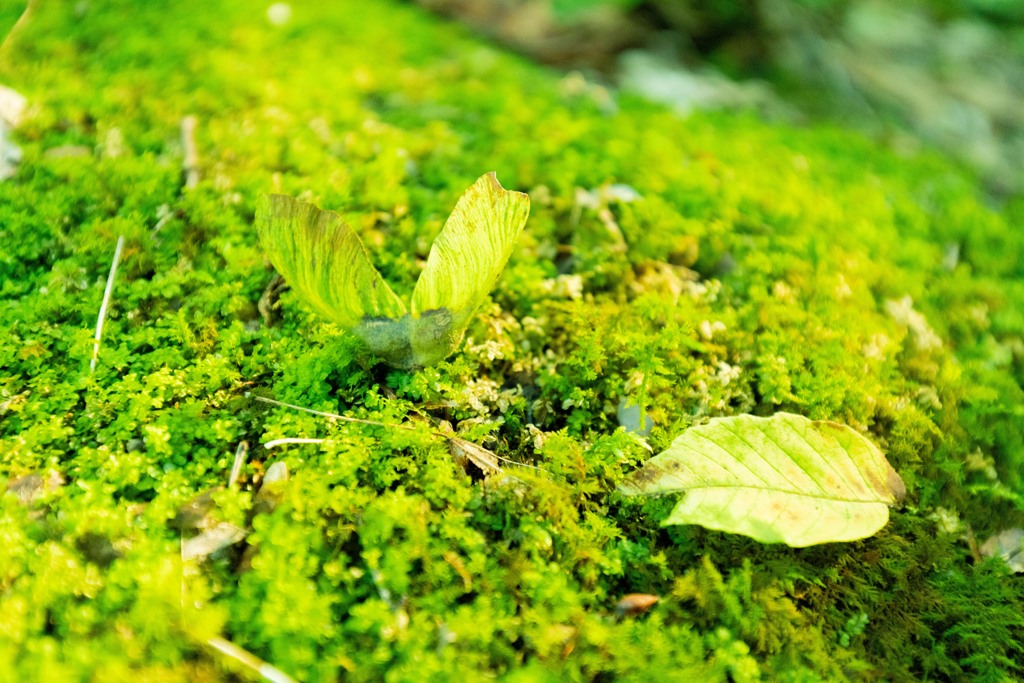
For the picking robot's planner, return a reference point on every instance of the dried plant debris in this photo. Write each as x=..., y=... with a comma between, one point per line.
x=213, y=538
x=473, y=458
x=195, y=513
x=97, y=548
x=266, y=671
x=469, y=455
x=268, y=497
x=269, y=302
x=29, y=488
x=12, y=109
x=1009, y=545
x=635, y=603
x=204, y=533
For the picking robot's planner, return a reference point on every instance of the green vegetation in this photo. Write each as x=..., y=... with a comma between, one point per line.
x=751, y=269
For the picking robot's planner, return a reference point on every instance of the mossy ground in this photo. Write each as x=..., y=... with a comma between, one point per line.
x=763, y=269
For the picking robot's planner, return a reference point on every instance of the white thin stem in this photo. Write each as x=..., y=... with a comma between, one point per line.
x=190, y=164
x=106, y=303
x=241, y=453
x=281, y=442
x=267, y=671
x=510, y=461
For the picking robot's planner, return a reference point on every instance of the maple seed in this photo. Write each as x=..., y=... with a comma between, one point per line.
x=325, y=262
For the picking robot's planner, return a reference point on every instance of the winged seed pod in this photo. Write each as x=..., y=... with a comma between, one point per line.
x=323, y=259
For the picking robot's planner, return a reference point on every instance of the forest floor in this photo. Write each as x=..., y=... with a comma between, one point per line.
x=698, y=267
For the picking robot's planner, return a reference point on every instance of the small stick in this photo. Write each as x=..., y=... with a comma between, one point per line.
x=241, y=453
x=106, y=302
x=266, y=671
x=190, y=164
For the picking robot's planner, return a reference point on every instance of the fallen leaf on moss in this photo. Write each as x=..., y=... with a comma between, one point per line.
x=782, y=479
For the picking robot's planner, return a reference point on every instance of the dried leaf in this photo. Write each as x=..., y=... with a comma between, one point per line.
x=32, y=487
x=466, y=452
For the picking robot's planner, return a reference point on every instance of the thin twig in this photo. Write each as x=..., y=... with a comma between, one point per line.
x=333, y=416
x=510, y=461
x=267, y=671
x=190, y=164
x=241, y=453
x=106, y=302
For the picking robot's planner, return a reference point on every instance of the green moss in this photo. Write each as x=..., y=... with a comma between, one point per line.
x=761, y=269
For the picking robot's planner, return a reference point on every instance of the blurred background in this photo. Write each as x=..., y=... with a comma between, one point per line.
x=944, y=74
x=941, y=74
